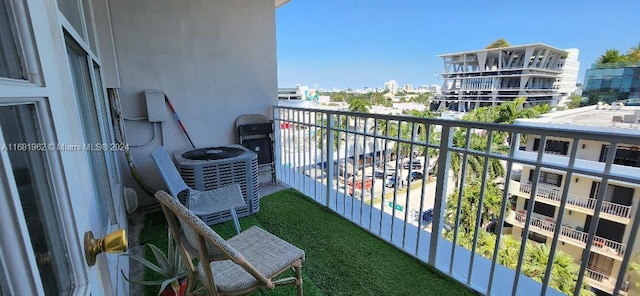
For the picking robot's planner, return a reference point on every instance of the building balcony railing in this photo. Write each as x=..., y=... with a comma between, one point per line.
x=546, y=226
x=604, y=282
x=553, y=196
x=418, y=209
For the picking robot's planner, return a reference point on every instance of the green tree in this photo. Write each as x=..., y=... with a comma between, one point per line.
x=508, y=112
x=633, y=55
x=611, y=56
x=359, y=105
x=498, y=43
x=573, y=102
x=470, y=203
x=475, y=163
x=564, y=272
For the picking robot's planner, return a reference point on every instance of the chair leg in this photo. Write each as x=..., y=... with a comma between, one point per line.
x=236, y=223
x=298, y=270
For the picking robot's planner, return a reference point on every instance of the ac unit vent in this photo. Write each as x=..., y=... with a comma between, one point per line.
x=231, y=164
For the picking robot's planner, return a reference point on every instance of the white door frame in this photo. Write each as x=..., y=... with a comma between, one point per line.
x=50, y=88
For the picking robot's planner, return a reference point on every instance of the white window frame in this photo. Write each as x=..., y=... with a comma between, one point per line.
x=18, y=274
x=102, y=105
x=25, y=45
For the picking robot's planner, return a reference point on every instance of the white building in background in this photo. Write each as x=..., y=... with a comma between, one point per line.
x=391, y=86
x=488, y=77
x=408, y=87
x=621, y=200
x=435, y=89
x=566, y=83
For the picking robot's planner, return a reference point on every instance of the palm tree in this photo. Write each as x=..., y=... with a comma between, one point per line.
x=509, y=252
x=359, y=105
x=486, y=244
x=633, y=55
x=475, y=163
x=564, y=273
x=469, y=205
x=611, y=56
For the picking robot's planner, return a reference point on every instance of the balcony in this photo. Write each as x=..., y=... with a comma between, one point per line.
x=550, y=195
x=341, y=258
x=312, y=145
x=602, y=282
x=546, y=226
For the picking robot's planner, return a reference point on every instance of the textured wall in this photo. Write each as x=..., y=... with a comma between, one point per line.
x=215, y=59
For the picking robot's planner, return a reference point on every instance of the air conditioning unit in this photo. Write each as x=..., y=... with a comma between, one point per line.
x=213, y=167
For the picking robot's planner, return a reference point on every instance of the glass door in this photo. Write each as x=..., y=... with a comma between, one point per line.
x=36, y=208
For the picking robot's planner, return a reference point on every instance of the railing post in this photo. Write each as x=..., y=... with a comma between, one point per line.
x=330, y=165
x=277, y=143
x=444, y=165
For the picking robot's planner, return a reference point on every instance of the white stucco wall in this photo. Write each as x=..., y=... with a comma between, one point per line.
x=215, y=59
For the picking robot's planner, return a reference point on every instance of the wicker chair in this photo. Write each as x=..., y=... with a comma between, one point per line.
x=202, y=203
x=245, y=263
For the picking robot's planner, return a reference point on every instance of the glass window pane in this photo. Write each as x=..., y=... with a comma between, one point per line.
x=10, y=60
x=108, y=136
x=4, y=291
x=91, y=117
x=19, y=127
x=88, y=18
x=71, y=10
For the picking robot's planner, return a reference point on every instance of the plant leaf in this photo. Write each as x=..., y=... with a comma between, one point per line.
x=146, y=263
x=145, y=283
x=166, y=283
x=163, y=263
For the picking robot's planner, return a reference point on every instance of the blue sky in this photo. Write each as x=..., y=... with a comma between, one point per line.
x=358, y=43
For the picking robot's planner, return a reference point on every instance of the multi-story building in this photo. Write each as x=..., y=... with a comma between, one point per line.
x=408, y=87
x=435, y=89
x=621, y=199
x=566, y=83
x=488, y=77
x=391, y=86
x=612, y=82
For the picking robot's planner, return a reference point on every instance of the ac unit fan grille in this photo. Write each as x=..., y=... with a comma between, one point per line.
x=212, y=174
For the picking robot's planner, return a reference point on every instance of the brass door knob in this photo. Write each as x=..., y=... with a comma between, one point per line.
x=115, y=242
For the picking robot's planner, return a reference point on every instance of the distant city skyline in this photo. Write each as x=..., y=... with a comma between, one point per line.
x=359, y=44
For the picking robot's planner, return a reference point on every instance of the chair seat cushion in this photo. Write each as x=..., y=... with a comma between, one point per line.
x=269, y=254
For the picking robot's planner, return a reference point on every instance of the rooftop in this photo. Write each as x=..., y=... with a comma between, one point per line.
x=503, y=48
x=596, y=118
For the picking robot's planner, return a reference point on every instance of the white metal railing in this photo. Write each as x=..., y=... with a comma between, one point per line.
x=598, y=277
x=318, y=151
x=604, y=245
x=554, y=194
x=605, y=282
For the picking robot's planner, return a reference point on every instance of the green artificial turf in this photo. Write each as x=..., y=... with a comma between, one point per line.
x=341, y=258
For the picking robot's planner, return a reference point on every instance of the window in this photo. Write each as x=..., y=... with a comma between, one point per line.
x=553, y=146
x=547, y=178
x=600, y=263
x=628, y=156
x=11, y=63
x=20, y=126
x=541, y=208
x=536, y=237
x=90, y=100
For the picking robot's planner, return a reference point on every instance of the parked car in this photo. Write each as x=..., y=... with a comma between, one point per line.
x=391, y=181
x=416, y=164
x=414, y=176
x=427, y=216
x=380, y=174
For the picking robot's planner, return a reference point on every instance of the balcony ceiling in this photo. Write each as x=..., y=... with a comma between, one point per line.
x=281, y=2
